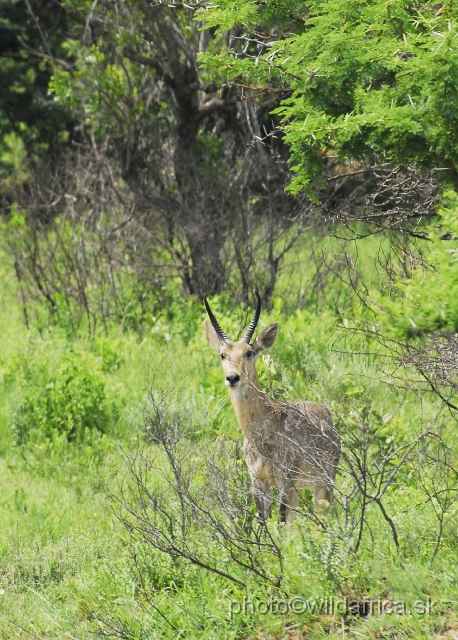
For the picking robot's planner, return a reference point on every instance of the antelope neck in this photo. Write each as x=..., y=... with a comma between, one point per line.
x=252, y=406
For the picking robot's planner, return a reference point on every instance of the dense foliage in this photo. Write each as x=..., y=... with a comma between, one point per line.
x=71, y=398
x=163, y=146
x=31, y=125
x=365, y=77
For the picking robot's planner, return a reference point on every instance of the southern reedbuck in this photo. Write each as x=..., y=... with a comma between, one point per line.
x=291, y=446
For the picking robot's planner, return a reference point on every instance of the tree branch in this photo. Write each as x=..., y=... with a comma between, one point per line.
x=153, y=63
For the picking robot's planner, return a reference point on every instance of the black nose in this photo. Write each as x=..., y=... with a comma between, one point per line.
x=232, y=378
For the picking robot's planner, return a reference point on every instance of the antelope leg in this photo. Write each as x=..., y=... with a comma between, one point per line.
x=262, y=498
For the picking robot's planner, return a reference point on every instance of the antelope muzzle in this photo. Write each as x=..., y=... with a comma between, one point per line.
x=232, y=379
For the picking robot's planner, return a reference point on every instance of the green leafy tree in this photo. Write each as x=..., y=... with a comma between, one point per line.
x=206, y=195
x=365, y=77
x=188, y=145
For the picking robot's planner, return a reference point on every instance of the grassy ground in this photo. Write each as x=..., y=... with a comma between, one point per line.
x=69, y=569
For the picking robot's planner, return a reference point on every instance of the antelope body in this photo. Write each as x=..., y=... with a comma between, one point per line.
x=290, y=446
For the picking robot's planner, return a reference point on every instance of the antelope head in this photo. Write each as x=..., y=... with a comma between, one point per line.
x=238, y=358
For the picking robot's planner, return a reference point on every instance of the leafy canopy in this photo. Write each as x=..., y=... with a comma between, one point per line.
x=364, y=76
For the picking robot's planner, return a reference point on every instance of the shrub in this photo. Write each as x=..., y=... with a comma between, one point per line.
x=68, y=397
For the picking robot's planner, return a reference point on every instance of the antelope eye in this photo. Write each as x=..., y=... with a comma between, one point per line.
x=223, y=357
x=249, y=354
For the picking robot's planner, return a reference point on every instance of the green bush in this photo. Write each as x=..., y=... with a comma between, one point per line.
x=68, y=397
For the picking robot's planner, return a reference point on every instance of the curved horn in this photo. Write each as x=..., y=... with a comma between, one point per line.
x=252, y=326
x=219, y=332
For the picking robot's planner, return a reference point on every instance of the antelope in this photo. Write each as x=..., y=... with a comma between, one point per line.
x=287, y=445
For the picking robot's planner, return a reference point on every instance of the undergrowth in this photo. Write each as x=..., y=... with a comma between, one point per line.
x=70, y=406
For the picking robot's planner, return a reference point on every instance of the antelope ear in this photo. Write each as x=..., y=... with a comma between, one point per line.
x=211, y=336
x=265, y=339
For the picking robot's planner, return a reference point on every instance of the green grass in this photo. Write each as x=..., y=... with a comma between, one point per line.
x=67, y=564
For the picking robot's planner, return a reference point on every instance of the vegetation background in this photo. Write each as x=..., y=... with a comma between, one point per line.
x=155, y=154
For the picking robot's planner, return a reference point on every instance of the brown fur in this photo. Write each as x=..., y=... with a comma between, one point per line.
x=290, y=446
